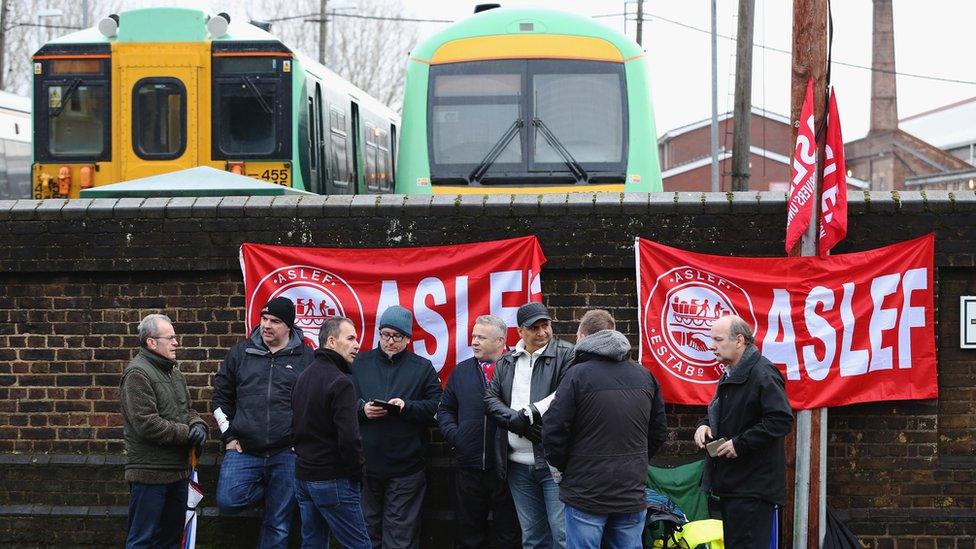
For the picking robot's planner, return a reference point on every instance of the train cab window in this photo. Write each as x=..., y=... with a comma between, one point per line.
x=72, y=103
x=567, y=102
x=247, y=119
x=251, y=106
x=470, y=112
x=545, y=118
x=159, y=118
x=76, y=118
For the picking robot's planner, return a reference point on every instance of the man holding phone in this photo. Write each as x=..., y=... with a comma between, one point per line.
x=747, y=421
x=398, y=394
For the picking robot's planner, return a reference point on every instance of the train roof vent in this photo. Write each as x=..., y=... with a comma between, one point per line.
x=485, y=7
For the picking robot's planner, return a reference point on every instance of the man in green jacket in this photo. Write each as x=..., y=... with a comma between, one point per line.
x=160, y=430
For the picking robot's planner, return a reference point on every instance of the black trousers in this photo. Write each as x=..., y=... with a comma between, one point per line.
x=391, y=507
x=747, y=523
x=478, y=493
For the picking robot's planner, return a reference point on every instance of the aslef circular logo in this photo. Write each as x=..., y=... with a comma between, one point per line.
x=682, y=307
x=317, y=295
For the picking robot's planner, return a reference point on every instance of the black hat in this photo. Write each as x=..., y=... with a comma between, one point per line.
x=283, y=308
x=530, y=313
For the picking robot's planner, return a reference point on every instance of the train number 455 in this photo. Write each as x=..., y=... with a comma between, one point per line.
x=276, y=176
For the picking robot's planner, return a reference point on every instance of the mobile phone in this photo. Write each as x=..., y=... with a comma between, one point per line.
x=712, y=447
x=390, y=408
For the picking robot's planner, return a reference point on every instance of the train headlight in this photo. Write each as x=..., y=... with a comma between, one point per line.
x=217, y=25
x=109, y=27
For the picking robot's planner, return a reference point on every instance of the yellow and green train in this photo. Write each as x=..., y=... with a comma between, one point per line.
x=156, y=90
x=527, y=100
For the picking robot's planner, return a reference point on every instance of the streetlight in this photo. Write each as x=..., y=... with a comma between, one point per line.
x=38, y=15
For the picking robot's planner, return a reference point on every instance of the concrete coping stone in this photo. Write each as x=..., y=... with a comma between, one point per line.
x=421, y=205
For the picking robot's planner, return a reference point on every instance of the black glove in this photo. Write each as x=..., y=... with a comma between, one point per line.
x=197, y=436
x=536, y=416
x=519, y=424
x=534, y=433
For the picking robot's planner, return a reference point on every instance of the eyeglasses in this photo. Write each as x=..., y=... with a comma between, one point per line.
x=171, y=338
x=395, y=338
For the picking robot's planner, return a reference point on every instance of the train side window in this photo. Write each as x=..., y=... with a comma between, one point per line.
x=372, y=178
x=384, y=175
x=340, y=149
x=77, y=117
x=159, y=118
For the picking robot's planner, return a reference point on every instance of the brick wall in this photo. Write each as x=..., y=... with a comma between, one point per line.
x=78, y=275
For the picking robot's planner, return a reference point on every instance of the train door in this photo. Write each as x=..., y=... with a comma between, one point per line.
x=319, y=151
x=312, y=114
x=356, y=136
x=160, y=104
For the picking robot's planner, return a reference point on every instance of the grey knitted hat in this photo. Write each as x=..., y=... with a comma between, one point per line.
x=398, y=318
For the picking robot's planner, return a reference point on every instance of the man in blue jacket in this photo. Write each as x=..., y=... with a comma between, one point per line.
x=465, y=426
x=398, y=394
x=252, y=405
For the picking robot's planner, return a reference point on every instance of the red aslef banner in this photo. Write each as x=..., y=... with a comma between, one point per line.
x=446, y=288
x=842, y=329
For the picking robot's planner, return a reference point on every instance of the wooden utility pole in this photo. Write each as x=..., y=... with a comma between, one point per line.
x=323, y=30
x=3, y=40
x=742, y=115
x=806, y=445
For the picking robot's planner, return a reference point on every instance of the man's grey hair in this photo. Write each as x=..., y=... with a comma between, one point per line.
x=149, y=327
x=495, y=322
x=739, y=327
x=330, y=328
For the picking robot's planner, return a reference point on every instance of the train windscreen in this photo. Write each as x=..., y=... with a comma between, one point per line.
x=72, y=104
x=500, y=121
x=251, y=98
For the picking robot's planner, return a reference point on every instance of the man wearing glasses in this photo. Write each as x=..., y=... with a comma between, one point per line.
x=252, y=405
x=160, y=428
x=398, y=394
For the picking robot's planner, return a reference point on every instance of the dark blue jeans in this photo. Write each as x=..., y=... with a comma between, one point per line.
x=157, y=513
x=246, y=479
x=620, y=530
x=331, y=505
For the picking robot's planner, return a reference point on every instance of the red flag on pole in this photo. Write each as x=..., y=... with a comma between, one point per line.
x=833, y=197
x=799, y=209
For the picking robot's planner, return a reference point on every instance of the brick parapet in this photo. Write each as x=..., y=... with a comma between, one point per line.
x=78, y=275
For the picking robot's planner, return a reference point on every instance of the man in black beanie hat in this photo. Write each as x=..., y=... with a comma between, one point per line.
x=252, y=406
x=398, y=394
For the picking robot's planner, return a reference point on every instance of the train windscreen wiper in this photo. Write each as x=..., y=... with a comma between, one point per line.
x=257, y=94
x=554, y=142
x=68, y=93
x=481, y=169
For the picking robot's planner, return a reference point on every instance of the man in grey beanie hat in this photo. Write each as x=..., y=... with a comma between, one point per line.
x=398, y=394
x=399, y=318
